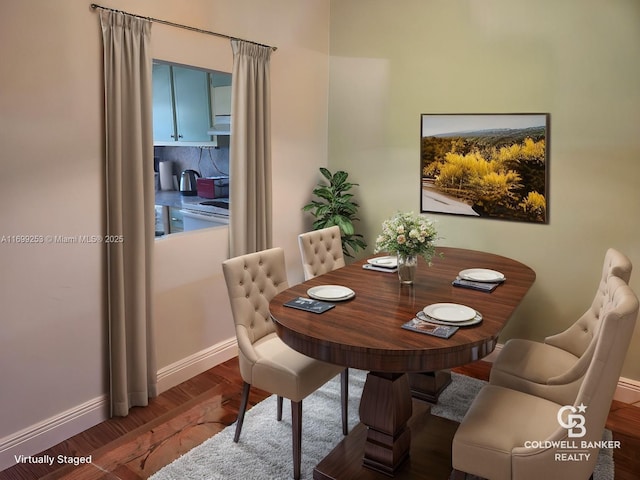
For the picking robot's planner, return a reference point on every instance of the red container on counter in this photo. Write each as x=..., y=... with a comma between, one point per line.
x=213, y=187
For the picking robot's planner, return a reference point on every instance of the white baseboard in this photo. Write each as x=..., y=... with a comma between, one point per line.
x=195, y=364
x=44, y=435
x=627, y=391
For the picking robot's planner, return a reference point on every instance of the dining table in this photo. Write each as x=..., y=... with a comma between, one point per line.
x=397, y=436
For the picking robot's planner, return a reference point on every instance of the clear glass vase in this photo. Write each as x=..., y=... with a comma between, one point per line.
x=407, y=266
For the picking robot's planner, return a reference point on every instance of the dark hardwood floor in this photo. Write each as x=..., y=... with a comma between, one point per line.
x=136, y=446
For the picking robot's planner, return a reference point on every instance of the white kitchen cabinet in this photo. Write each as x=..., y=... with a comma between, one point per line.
x=221, y=101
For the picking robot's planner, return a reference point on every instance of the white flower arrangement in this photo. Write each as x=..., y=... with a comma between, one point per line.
x=408, y=234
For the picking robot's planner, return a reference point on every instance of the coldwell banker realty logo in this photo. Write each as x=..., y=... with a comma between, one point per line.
x=572, y=419
x=575, y=420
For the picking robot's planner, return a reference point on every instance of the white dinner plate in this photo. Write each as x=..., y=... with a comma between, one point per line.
x=331, y=293
x=481, y=275
x=450, y=312
x=387, y=262
x=474, y=321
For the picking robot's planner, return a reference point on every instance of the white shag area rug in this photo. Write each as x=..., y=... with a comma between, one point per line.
x=264, y=449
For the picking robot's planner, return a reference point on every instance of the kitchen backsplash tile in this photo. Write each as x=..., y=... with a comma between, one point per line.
x=208, y=161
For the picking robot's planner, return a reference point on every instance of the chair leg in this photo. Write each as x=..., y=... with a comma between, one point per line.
x=460, y=475
x=243, y=408
x=279, y=415
x=296, y=427
x=457, y=475
x=344, y=394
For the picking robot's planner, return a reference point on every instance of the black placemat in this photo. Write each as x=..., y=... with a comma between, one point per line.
x=482, y=286
x=420, y=326
x=309, y=305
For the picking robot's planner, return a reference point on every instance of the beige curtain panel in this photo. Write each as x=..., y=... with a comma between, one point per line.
x=250, y=156
x=130, y=199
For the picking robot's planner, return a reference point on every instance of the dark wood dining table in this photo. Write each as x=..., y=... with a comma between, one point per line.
x=365, y=332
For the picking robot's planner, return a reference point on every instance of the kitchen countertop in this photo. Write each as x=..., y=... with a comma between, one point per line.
x=173, y=198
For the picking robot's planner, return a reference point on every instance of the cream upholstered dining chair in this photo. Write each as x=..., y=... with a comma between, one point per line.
x=555, y=369
x=266, y=362
x=321, y=251
x=512, y=435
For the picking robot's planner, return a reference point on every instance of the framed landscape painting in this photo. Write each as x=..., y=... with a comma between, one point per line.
x=485, y=165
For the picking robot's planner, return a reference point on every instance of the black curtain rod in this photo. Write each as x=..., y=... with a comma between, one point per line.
x=186, y=27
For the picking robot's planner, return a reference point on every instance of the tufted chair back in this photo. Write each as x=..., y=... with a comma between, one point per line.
x=321, y=251
x=252, y=281
x=266, y=362
x=556, y=368
x=578, y=338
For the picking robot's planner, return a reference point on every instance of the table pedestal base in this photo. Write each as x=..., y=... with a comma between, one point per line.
x=385, y=408
x=428, y=386
x=429, y=459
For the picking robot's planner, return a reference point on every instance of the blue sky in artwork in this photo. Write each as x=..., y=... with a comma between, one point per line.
x=438, y=124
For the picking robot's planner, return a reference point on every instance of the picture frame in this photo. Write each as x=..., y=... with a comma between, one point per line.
x=485, y=165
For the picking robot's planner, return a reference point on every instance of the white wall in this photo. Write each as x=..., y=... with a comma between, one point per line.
x=52, y=339
x=53, y=332
x=191, y=307
x=576, y=59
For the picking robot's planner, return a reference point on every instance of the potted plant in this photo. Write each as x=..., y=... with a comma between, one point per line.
x=335, y=206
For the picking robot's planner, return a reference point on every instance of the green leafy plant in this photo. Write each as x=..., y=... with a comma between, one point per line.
x=335, y=206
